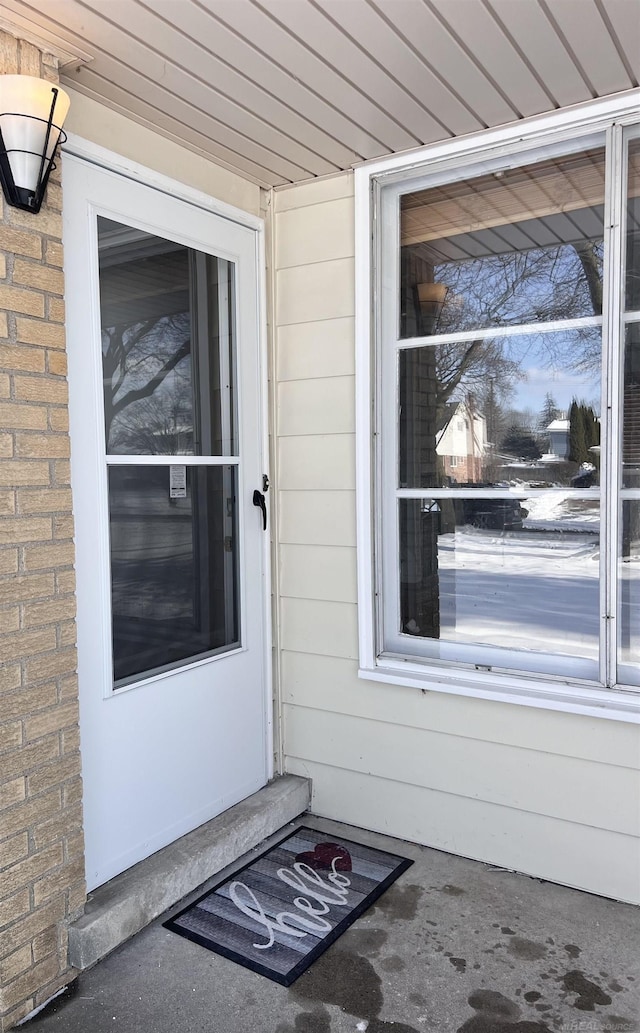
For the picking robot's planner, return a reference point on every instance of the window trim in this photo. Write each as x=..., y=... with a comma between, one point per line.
x=512, y=142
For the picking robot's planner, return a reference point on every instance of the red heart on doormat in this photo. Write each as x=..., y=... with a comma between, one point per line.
x=322, y=858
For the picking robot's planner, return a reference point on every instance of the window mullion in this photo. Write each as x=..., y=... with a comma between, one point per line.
x=615, y=192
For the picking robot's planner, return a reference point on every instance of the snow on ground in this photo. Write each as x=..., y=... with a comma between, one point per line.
x=557, y=510
x=536, y=589
x=521, y=590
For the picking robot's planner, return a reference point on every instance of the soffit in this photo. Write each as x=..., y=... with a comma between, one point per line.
x=283, y=91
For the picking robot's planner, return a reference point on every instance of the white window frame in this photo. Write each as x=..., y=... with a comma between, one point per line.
x=511, y=144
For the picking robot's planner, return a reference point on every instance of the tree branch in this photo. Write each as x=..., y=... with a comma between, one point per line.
x=586, y=254
x=156, y=380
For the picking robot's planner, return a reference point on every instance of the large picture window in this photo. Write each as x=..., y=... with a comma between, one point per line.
x=506, y=482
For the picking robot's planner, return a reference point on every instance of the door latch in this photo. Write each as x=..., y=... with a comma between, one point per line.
x=260, y=502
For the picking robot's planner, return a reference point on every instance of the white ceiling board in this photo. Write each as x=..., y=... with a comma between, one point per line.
x=401, y=60
x=586, y=33
x=319, y=121
x=286, y=91
x=353, y=64
x=624, y=18
x=165, y=84
x=443, y=52
x=483, y=38
x=153, y=118
x=279, y=44
x=126, y=81
x=224, y=84
x=533, y=34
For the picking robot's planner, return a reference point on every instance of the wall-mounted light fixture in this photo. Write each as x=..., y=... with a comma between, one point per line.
x=32, y=113
x=431, y=298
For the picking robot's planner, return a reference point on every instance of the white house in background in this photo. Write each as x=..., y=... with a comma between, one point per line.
x=258, y=197
x=558, y=431
x=462, y=443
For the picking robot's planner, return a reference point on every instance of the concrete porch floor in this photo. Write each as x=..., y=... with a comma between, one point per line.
x=454, y=945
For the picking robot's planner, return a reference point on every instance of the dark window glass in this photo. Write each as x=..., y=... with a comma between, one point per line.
x=173, y=532
x=167, y=355
x=633, y=229
x=631, y=410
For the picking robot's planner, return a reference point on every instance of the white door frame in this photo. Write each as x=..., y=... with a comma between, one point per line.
x=119, y=165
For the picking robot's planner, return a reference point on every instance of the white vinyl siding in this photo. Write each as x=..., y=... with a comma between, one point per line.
x=553, y=794
x=557, y=851
x=323, y=572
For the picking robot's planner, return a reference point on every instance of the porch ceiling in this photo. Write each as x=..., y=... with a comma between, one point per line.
x=286, y=90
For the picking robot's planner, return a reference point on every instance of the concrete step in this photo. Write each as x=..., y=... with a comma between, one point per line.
x=123, y=906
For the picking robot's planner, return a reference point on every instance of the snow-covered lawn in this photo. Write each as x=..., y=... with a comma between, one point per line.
x=521, y=590
x=557, y=511
x=535, y=589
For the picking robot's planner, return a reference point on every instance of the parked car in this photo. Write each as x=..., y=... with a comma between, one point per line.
x=490, y=514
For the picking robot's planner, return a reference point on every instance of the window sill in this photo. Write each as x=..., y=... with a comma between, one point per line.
x=575, y=698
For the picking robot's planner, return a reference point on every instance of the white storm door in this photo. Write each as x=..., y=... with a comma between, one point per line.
x=167, y=451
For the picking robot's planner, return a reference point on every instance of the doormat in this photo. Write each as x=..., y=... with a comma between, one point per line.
x=287, y=906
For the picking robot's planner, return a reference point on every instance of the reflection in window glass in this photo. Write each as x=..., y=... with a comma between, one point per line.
x=500, y=573
x=629, y=647
x=513, y=247
x=631, y=412
x=505, y=410
x=167, y=345
x=633, y=229
x=173, y=565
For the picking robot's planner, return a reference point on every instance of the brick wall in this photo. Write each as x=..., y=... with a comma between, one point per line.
x=41, y=845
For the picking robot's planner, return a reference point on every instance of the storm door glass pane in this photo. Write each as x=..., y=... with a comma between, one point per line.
x=174, y=581
x=511, y=247
x=167, y=321
x=498, y=573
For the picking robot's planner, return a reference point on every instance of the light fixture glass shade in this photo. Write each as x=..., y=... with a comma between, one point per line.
x=432, y=293
x=431, y=299
x=32, y=113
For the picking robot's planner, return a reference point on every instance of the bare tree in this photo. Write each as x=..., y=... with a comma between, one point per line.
x=160, y=424
x=471, y=366
x=540, y=285
x=137, y=360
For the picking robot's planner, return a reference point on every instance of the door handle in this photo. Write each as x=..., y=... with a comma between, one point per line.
x=260, y=502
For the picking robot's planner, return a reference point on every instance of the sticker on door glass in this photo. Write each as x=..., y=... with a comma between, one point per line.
x=177, y=482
